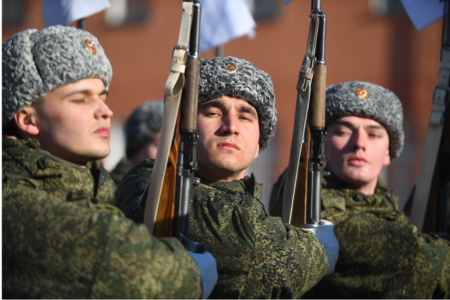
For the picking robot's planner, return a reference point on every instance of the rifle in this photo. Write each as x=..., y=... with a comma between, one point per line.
x=302, y=186
x=433, y=184
x=167, y=195
x=82, y=23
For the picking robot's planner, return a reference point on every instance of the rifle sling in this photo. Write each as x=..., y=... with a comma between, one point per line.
x=172, y=89
x=301, y=112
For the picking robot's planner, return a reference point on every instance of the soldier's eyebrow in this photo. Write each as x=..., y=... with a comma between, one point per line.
x=214, y=103
x=350, y=125
x=247, y=109
x=374, y=127
x=344, y=123
x=224, y=103
x=85, y=92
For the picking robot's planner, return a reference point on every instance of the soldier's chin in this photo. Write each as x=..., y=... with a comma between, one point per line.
x=355, y=176
x=229, y=167
x=359, y=181
x=97, y=154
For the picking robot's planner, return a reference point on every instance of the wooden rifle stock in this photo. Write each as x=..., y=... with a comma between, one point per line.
x=299, y=206
x=189, y=104
x=318, y=100
x=166, y=207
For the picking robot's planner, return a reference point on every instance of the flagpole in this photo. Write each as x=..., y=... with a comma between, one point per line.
x=219, y=51
x=82, y=23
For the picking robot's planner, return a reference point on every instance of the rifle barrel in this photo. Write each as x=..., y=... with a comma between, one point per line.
x=321, y=39
x=315, y=190
x=190, y=92
x=316, y=6
x=82, y=23
x=194, y=44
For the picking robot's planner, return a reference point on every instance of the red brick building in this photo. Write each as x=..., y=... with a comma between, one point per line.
x=364, y=42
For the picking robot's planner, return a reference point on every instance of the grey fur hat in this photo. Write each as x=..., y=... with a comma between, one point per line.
x=230, y=76
x=35, y=62
x=142, y=125
x=368, y=100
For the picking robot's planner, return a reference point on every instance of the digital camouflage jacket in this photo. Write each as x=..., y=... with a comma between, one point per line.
x=124, y=165
x=257, y=256
x=61, y=238
x=381, y=254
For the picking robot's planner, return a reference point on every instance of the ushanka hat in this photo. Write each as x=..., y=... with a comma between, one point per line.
x=35, y=62
x=233, y=77
x=368, y=100
x=142, y=125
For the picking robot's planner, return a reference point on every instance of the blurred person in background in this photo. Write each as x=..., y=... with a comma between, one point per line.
x=381, y=254
x=61, y=237
x=142, y=132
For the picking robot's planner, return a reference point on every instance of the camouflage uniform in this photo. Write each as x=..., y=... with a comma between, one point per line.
x=381, y=254
x=124, y=165
x=257, y=256
x=61, y=238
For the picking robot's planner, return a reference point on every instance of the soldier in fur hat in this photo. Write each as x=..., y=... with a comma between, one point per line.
x=258, y=256
x=142, y=132
x=381, y=254
x=61, y=237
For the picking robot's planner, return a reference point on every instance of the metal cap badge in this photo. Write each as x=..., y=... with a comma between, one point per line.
x=231, y=68
x=361, y=93
x=90, y=45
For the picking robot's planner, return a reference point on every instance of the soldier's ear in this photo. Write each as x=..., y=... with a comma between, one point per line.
x=26, y=120
x=387, y=159
x=257, y=151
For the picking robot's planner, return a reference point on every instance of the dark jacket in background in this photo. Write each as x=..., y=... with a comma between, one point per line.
x=122, y=167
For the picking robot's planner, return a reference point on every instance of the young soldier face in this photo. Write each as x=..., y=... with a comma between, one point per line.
x=228, y=131
x=357, y=149
x=74, y=121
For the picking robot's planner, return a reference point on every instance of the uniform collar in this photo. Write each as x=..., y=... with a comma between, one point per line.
x=45, y=167
x=336, y=194
x=23, y=150
x=247, y=184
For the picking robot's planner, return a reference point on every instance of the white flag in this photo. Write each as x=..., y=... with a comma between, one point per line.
x=424, y=12
x=224, y=20
x=63, y=12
